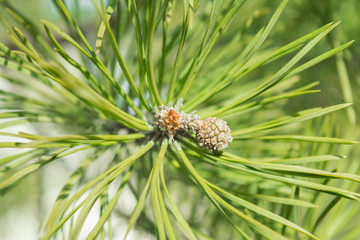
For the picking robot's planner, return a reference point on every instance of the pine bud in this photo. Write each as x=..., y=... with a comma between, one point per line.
x=171, y=121
x=211, y=133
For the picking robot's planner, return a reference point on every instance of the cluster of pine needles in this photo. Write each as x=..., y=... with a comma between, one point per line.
x=89, y=91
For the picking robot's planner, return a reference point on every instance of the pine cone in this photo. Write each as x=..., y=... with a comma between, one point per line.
x=212, y=133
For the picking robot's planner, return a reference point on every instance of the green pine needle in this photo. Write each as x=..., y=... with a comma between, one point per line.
x=86, y=92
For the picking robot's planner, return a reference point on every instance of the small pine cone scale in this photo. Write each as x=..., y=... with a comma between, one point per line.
x=195, y=124
x=212, y=133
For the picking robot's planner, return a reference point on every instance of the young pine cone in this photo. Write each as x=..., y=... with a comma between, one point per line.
x=211, y=133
